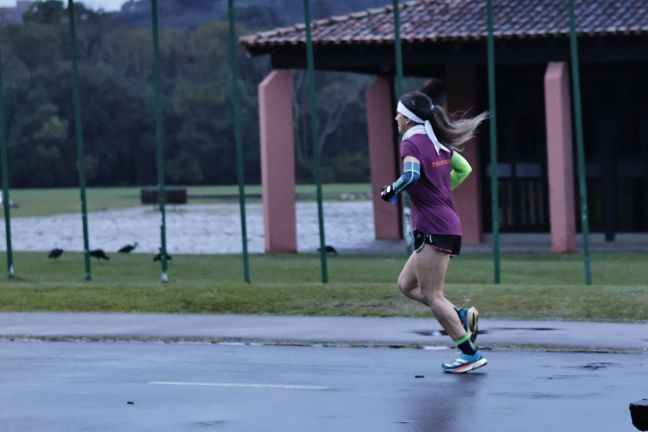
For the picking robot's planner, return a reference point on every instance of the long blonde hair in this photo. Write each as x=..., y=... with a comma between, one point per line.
x=452, y=133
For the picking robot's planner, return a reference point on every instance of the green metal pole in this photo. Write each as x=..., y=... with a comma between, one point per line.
x=312, y=106
x=236, y=98
x=5, y=180
x=398, y=52
x=78, y=128
x=493, y=144
x=580, y=147
x=398, y=49
x=159, y=138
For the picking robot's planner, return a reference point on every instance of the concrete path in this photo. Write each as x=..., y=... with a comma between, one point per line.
x=563, y=335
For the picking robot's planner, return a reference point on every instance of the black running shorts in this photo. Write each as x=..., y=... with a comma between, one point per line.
x=450, y=244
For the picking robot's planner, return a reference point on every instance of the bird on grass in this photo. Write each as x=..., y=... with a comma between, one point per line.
x=99, y=254
x=128, y=248
x=55, y=253
x=158, y=256
x=328, y=249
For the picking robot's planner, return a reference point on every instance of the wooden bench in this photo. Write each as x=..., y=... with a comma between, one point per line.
x=173, y=195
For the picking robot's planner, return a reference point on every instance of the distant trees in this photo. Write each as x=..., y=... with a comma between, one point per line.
x=342, y=127
x=115, y=72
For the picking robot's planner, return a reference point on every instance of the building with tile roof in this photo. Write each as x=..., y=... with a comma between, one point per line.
x=464, y=20
x=445, y=40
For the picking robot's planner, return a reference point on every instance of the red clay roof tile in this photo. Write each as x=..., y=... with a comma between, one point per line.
x=456, y=20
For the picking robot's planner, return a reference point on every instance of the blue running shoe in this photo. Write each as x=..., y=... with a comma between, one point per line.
x=470, y=320
x=465, y=363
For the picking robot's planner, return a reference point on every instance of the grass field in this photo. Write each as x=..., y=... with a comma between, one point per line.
x=534, y=286
x=45, y=202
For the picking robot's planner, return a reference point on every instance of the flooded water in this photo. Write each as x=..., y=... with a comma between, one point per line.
x=192, y=229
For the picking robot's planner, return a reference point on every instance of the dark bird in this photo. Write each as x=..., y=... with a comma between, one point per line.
x=128, y=248
x=55, y=253
x=328, y=249
x=99, y=254
x=158, y=256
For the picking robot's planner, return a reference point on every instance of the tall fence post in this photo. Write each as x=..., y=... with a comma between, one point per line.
x=398, y=53
x=78, y=128
x=236, y=102
x=580, y=147
x=494, y=168
x=312, y=106
x=159, y=139
x=5, y=179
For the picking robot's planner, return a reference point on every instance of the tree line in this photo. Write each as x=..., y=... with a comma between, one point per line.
x=115, y=58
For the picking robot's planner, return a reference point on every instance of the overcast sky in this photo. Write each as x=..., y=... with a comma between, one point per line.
x=105, y=4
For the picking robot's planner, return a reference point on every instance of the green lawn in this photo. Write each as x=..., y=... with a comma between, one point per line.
x=539, y=286
x=45, y=202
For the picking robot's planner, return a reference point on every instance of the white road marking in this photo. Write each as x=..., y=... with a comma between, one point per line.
x=240, y=385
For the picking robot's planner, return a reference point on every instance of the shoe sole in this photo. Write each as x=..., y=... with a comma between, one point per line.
x=469, y=367
x=472, y=318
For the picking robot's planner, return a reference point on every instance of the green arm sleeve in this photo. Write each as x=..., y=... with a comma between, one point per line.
x=460, y=170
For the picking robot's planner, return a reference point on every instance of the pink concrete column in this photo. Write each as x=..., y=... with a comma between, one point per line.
x=278, y=162
x=559, y=158
x=383, y=157
x=462, y=96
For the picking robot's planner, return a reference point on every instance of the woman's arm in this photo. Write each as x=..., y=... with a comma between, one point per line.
x=460, y=170
x=411, y=174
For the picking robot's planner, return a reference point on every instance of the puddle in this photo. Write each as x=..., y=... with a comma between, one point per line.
x=562, y=377
x=522, y=328
x=491, y=330
x=596, y=366
x=441, y=332
x=209, y=423
x=429, y=332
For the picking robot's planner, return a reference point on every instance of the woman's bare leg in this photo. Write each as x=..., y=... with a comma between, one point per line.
x=431, y=267
x=408, y=283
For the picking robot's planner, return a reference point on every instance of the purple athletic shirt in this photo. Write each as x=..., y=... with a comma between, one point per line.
x=433, y=209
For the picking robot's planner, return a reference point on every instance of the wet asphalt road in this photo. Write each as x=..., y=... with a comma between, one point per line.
x=82, y=386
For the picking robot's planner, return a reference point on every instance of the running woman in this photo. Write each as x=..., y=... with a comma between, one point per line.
x=430, y=171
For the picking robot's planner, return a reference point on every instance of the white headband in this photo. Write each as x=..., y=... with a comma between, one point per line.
x=401, y=108
x=426, y=128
